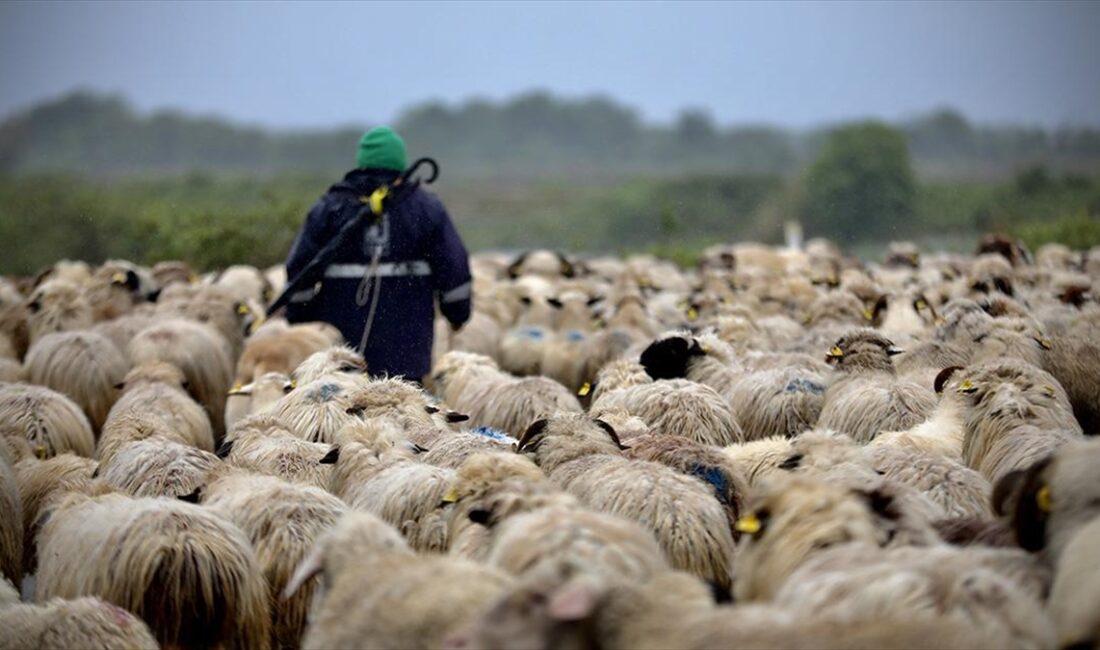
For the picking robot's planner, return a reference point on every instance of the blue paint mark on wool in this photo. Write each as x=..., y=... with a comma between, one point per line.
x=493, y=434
x=532, y=333
x=326, y=392
x=715, y=477
x=574, y=336
x=804, y=386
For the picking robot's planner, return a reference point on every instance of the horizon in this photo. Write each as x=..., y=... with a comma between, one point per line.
x=145, y=113
x=791, y=66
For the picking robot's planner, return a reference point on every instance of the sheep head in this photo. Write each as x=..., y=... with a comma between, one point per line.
x=791, y=518
x=670, y=358
x=565, y=437
x=863, y=350
x=1047, y=502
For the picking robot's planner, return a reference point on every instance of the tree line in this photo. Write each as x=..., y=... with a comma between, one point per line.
x=531, y=136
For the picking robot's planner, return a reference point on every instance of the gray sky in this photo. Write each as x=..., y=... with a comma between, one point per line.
x=317, y=65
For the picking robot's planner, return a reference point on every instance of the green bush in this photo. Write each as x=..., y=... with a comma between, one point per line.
x=861, y=185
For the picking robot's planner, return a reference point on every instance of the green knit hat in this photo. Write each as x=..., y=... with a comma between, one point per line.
x=381, y=147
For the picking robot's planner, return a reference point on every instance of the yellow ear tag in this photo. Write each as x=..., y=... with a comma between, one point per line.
x=966, y=387
x=451, y=496
x=41, y=452
x=1049, y=390
x=1043, y=343
x=293, y=383
x=868, y=314
x=921, y=305
x=585, y=390
x=193, y=279
x=1042, y=498
x=836, y=352
x=236, y=389
x=749, y=524
x=243, y=309
x=693, y=314
x=807, y=318
x=119, y=278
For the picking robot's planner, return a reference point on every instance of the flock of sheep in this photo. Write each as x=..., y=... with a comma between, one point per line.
x=779, y=448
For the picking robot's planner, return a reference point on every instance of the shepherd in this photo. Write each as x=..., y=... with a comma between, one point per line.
x=398, y=255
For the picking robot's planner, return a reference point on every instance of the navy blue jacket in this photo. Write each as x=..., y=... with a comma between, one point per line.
x=422, y=258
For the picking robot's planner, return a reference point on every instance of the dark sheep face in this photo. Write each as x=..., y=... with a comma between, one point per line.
x=670, y=358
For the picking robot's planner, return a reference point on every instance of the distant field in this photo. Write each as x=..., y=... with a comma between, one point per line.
x=213, y=221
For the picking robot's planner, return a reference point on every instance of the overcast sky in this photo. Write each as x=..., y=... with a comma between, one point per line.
x=318, y=65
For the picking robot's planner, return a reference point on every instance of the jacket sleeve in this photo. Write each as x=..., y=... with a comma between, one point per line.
x=450, y=270
x=311, y=238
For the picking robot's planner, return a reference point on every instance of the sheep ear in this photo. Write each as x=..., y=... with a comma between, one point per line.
x=943, y=377
x=567, y=268
x=455, y=416
x=1007, y=491
x=431, y=409
x=572, y=602
x=355, y=410
x=611, y=432
x=1003, y=285
x=593, y=301
x=513, y=268
x=225, y=449
x=309, y=567
x=331, y=457
x=880, y=306
x=1030, y=513
x=415, y=448
x=133, y=282
x=880, y=503
x=120, y=385
x=554, y=302
x=154, y=296
x=792, y=462
x=537, y=427
x=481, y=516
x=193, y=497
